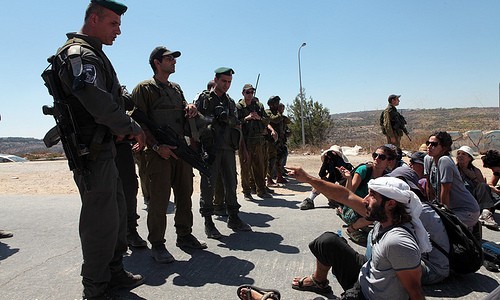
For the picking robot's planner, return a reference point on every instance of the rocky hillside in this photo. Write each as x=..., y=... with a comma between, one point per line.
x=362, y=128
x=356, y=128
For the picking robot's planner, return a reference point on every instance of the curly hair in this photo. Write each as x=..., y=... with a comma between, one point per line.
x=445, y=140
x=491, y=159
x=399, y=213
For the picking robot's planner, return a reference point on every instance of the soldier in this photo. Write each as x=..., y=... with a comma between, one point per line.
x=91, y=87
x=275, y=129
x=164, y=103
x=254, y=121
x=393, y=124
x=220, y=140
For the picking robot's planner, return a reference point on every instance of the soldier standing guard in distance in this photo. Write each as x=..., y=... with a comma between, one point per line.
x=164, y=103
x=393, y=124
x=254, y=120
x=90, y=86
x=220, y=139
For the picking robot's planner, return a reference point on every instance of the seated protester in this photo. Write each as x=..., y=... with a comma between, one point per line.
x=435, y=262
x=332, y=159
x=417, y=165
x=492, y=161
x=394, y=269
x=444, y=183
x=477, y=186
x=358, y=228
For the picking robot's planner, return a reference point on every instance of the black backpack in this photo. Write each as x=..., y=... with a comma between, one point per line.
x=466, y=254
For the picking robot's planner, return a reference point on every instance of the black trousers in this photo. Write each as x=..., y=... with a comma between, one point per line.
x=332, y=250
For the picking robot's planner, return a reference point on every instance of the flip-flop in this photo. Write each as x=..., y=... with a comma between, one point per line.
x=266, y=293
x=316, y=287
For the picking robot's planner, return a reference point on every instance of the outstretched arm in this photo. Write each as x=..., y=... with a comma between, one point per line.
x=330, y=190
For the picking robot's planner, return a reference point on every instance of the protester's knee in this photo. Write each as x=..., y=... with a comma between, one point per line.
x=326, y=242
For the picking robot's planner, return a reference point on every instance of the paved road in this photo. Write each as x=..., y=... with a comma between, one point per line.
x=42, y=260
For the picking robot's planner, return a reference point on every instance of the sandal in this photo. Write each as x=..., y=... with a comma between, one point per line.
x=357, y=236
x=316, y=287
x=266, y=293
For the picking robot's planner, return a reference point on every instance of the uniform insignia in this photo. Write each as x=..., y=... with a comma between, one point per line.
x=89, y=74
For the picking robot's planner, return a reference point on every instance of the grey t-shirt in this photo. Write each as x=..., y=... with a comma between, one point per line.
x=393, y=249
x=461, y=200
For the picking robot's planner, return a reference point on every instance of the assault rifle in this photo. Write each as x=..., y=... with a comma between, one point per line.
x=166, y=135
x=66, y=129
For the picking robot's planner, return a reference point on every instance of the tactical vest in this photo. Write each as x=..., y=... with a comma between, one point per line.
x=83, y=118
x=169, y=108
x=252, y=130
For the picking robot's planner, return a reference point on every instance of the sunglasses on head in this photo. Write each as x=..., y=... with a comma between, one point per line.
x=433, y=144
x=376, y=155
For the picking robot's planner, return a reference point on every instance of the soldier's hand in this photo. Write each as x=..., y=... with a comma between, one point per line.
x=165, y=151
x=191, y=111
x=140, y=138
x=274, y=134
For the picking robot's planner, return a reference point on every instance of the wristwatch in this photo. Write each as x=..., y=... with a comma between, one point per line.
x=155, y=147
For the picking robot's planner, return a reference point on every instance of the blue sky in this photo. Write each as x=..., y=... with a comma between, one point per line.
x=434, y=53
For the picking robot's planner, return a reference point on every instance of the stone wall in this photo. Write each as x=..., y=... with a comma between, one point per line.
x=479, y=141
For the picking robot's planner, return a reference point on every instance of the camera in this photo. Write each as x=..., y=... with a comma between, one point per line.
x=221, y=114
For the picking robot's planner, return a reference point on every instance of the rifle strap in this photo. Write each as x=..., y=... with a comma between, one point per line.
x=195, y=134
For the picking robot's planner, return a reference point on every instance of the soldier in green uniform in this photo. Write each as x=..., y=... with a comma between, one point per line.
x=164, y=103
x=90, y=86
x=275, y=131
x=220, y=140
x=393, y=124
x=253, y=120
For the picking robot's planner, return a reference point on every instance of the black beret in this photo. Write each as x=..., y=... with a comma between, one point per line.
x=117, y=7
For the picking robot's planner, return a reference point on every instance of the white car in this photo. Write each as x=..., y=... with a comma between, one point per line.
x=11, y=158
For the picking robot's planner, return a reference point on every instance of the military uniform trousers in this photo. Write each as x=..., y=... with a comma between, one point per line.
x=397, y=143
x=102, y=225
x=225, y=164
x=254, y=168
x=272, y=158
x=166, y=175
x=126, y=169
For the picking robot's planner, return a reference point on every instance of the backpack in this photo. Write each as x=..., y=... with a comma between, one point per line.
x=382, y=122
x=466, y=254
x=369, y=169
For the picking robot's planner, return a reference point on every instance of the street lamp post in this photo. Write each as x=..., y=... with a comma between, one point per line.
x=301, y=101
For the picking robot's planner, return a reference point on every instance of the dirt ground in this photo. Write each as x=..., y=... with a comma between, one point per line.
x=54, y=177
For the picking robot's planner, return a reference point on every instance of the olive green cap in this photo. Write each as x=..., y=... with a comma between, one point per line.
x=224, y=70
x=117, y=7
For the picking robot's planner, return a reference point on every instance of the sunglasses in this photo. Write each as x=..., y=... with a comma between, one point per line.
x=496, y=174
x=248, y=92
x=433, y=144
x=376, y=155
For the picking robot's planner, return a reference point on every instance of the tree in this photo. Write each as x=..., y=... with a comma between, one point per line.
x=317, y=122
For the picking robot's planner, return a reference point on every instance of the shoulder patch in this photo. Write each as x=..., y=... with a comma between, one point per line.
x=89, y=73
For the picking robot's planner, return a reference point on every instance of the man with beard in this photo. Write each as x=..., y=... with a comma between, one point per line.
x=393, y=271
